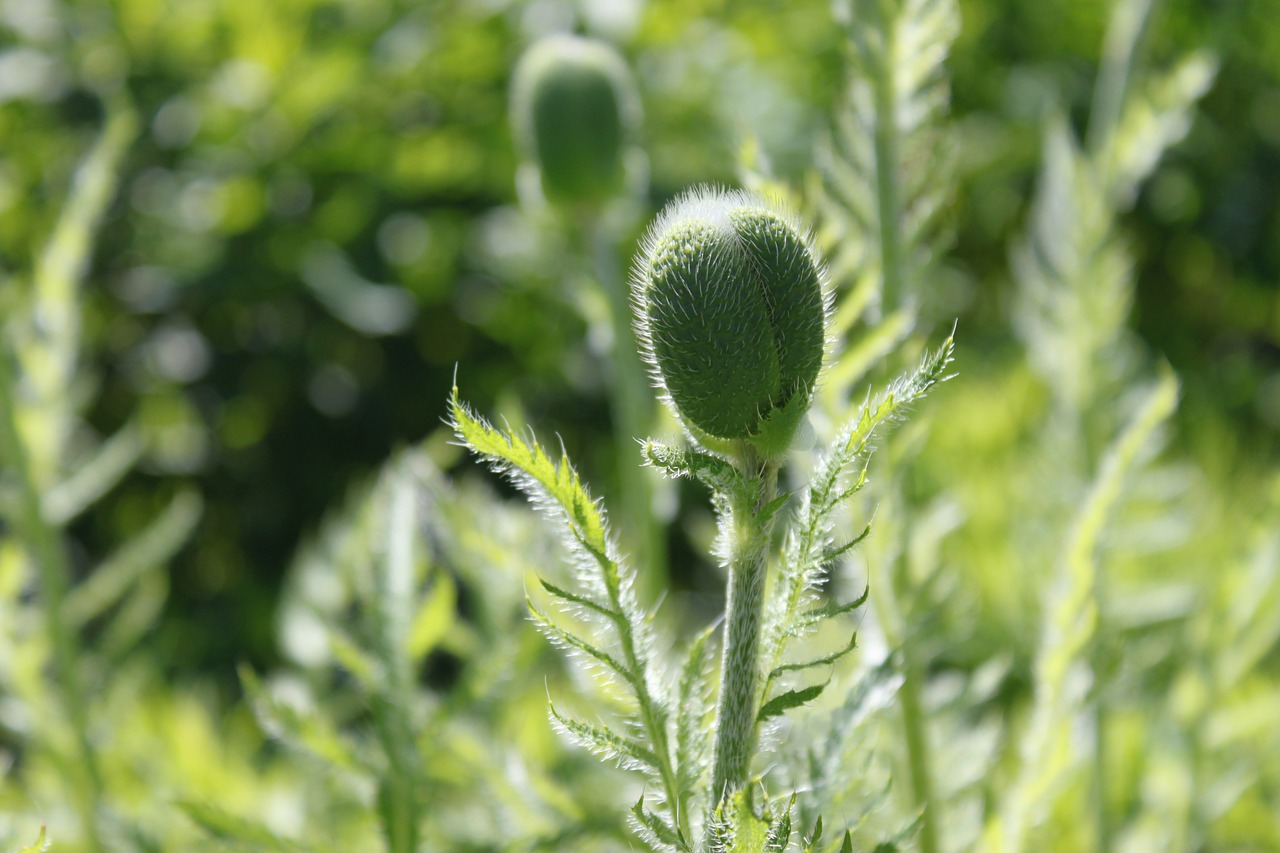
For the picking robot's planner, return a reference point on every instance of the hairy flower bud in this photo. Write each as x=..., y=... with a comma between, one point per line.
x=731, y=311
x=574, y=112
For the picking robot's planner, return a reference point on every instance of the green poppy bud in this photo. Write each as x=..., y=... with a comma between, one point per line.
x=574, y=111
x=731, y=312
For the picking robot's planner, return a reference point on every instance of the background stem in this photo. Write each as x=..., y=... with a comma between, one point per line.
x=897, y=636
x=631, y=405
x=53, y=576
x=888, y=198
x=913, y=721
x=397, y=578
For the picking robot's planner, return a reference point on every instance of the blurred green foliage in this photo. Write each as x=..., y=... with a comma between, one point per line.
x=317, y=226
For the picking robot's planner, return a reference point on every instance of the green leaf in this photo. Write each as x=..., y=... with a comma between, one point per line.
x=61, y=265
x=692, y=709
x=809, y=548
x=812, y=617
x=780, y=830
x=886, y=163
x=822, y=661
x=662, y=832
x=764, y=517
x=147, y=551
x=297, y=728
x=1070, y=608
x=435, y=617
x=902, y=393
x=41, y=843
x=815, y=838
x=136, y=615
x=736, y=827
x=555, y=486
x=1156, y=117
x=584, y=601
x=712, y=471
x=237, y=830
x=607, y=744
x=833, y=554
x=364, y=667
x=565, y=638
x=94, y=477
x=534, y=471
x=791, y=699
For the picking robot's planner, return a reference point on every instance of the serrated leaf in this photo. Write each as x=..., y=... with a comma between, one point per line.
x=565, y=638
x=784, y=702
x=829, y=611
x=780, y=830
x=610, y=745
x=833, y=554
x=556, y=487
x=765, y=516
x=822, y=661
x=662, y=832
x=62, y=262
x=809, y=544
x=1156, y=117
x=532, y=467
x=712, y=471
x=885, y=165
x=581, y=600
x=735, y=827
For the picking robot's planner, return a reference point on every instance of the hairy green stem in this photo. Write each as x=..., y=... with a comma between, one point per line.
x=53, y=576
x=735, y=725
x=631, y=402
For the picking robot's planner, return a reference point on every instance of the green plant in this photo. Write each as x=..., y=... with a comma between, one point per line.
x=575, y=114
x=1068, y=613
x=716, y=264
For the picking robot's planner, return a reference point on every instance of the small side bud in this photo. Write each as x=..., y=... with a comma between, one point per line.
x=731, y=312
x=574, y=113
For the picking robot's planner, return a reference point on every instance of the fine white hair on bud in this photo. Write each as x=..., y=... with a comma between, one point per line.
x=574, y=114
x=730, y=307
